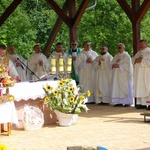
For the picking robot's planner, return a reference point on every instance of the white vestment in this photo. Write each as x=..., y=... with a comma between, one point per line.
x=142, y=76
x=33, y=64
x=12, y=72
x=122, y=79
x=20, y=69
x=85, y=71
x=102, y=78
x=56, y=55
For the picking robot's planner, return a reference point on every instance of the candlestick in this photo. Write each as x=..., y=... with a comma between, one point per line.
x=61, y=68
x=53, y=64
x=69, y=61
x=53, y=61
x=61, y=61
x=68, y=68
x=53, y=69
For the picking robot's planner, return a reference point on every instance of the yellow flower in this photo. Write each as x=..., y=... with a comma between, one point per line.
x=60, y=83
x=88, y=93
x=71, y=99
x=11, y=98
x=81, y=98
x=46, y=99
x=68, y=80
x=3, y=147
x=70, y=89
x=48, y=88
x=55, y=92
x=1, y=69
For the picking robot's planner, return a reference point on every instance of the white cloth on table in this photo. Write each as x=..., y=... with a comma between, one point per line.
x=8, y=113
x=31, y=90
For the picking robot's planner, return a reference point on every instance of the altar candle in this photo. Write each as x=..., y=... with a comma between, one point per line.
x=69, y=61
x=53, y=69
x=68, y=68
x=61, y=63
x=61, y=68
x=53, y=62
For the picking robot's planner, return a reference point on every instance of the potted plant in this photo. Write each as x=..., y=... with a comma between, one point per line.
x=66, y=99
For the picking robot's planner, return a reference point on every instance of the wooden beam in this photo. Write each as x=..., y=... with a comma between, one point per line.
x=72, y=12
x=9, y=11
x=80, y=13
x=55, y=30
x=135, y=8
x=142, y=10
x=59, y=12
x=126, y=7
x=135, y=25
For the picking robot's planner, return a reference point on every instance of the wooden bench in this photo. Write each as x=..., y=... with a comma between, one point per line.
x=2, y=129
x=145, y=115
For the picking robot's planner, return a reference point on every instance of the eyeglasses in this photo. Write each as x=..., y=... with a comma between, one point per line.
x=119, y=47
x=73, y=44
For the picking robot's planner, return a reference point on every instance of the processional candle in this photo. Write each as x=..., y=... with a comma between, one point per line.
x=53, y=64
x=60, y=64
x=69, y=64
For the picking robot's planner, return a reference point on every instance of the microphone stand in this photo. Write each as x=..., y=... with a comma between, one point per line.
x=28, y=68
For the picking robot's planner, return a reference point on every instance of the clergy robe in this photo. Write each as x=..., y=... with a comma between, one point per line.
x=102, y=78
x=33, y=64
x=122, y=79
x=85, y=71
x=12, y=72
x=7, y=62
x=20, y=69
x=142, y=76
x=74, y=53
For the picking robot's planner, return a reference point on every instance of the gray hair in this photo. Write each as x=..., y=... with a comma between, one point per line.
x=122, y=45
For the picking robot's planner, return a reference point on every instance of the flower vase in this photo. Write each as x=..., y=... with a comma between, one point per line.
x=63, y=118
x=74, y=118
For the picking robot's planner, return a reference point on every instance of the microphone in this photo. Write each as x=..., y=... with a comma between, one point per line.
x=20, y=62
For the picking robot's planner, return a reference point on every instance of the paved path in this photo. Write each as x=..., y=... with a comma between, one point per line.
x=115, y=128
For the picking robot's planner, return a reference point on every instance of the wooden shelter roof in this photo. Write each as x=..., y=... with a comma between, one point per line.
x=135, y=12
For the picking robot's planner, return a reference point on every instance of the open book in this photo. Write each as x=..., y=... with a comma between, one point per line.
x=47, y=76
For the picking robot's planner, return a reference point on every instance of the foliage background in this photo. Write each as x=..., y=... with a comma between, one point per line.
x=33, y=20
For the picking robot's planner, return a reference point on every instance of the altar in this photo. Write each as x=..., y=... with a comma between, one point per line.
x=32, y=93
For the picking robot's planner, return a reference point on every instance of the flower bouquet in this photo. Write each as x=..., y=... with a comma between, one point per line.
x=66, y=98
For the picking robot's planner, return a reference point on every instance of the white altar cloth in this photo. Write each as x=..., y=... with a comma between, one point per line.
x=8, y=113
x=30, y=90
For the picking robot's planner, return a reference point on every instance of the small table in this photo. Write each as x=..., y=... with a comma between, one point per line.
x=8, y=115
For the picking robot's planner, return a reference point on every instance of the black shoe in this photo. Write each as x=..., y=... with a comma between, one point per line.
x=102, y=103
x=141, y=107
x=126, y=105
x=148, y=107
x=118, y=105
x=92, y=102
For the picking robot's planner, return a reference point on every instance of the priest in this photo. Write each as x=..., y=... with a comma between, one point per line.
x=102, y=65
x=141, y=62
x=122, y=78
x=85, y=70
